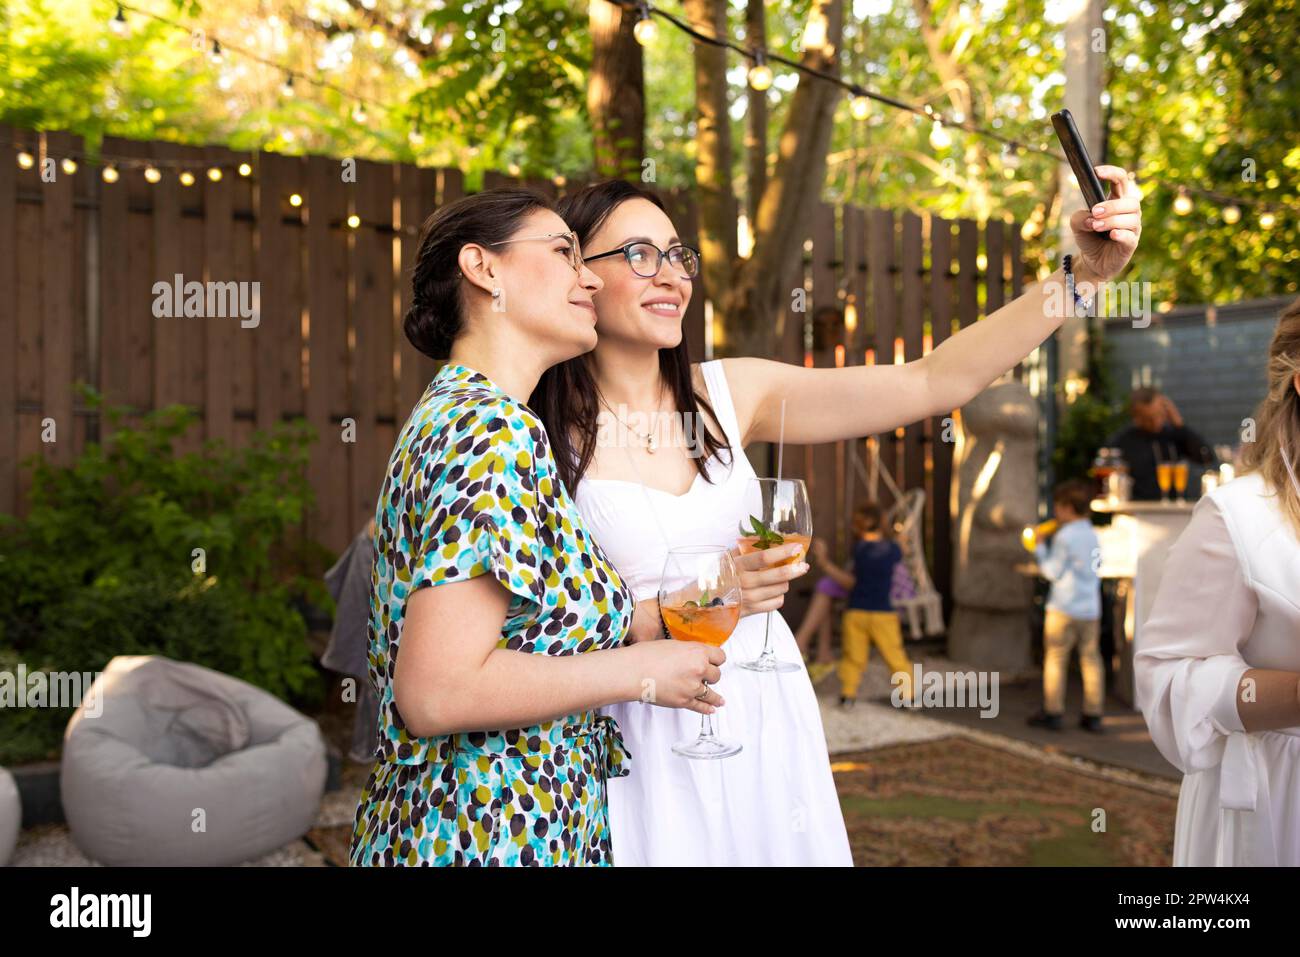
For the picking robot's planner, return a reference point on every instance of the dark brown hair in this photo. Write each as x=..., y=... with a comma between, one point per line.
x=869, y=518
x=566, y=397
x=1076, y=493
x=436, y=316
x=1142, y=396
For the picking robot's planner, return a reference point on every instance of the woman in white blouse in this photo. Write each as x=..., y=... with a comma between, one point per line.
x=1218, y=664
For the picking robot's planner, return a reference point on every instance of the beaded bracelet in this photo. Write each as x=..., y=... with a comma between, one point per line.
x=1082, y=306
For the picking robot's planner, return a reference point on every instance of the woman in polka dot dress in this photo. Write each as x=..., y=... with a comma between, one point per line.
x=514, y=628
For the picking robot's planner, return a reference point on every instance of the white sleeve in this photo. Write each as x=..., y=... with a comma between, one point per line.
x=1188, y=663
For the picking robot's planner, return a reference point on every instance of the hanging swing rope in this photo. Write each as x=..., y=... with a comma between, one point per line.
x=905, y=516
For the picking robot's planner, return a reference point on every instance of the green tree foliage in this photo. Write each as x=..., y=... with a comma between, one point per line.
x=1193, y=91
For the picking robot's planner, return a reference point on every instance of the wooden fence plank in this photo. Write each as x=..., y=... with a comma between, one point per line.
x=968, y=239
x=117, y=360
x=416, y=200
x=1016, y=254
x=853, y=230
x=28, y=227
x=294, y=298
x=84, y=298
x=371, y=261
x=451, y=185
x=169, y=329
x=138, y=322
x=327, y=370
x=995, y=284
x=243, y=257
x=273, y=250
x=881, y=265
x=942, y=427
x=194, y=332
x=57, y=318
x=8, y=327
x=913, y=322
x=222, y=332
x=825, y=490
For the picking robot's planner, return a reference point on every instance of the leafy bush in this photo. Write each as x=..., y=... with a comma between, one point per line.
x=1087, y=424
x=1094, y=415
x=105, y=564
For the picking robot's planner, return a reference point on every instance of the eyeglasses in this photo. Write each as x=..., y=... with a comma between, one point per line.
x=571, y=240
x=640, y=256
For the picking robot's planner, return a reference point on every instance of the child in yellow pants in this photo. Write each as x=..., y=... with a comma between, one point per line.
x=870, y=618
x=861, y=630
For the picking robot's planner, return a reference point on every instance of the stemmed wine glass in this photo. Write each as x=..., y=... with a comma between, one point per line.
x=781, y=516
x=699, y=598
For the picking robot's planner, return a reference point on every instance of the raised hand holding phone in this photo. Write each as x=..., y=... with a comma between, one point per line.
x=1107, y=232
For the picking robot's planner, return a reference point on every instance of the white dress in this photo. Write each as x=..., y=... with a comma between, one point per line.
x=775, y=802
x=1227, y=602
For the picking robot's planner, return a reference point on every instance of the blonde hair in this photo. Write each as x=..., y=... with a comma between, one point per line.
x=1277, y=419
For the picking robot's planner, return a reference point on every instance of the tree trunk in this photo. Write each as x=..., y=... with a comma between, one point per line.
x=757, y=304
x=1083, y=78
x=616, y=94
x=755, y=115
x=750, y=297
x=713, y=187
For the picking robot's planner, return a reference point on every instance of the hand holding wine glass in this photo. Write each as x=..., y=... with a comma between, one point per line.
x=765, y=577
x=780, y=516
x=675, y=674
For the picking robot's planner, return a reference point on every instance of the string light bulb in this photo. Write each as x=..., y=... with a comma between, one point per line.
x=109, y=174
x=214, y=174
x=295, y=200
x=186, y=178
x=118, y=24
x=217, y=56
x=354, y=221
x=286, y=88
x=1231, y=214
x=69, y=166
x=645, y=29
x=359, y=114
x=859, y=107
x=245, y=170
x=26, y=160
x=939, y=137
x=1182, y=203
x=152, y=175
x=760, y=74
x=1266, y=220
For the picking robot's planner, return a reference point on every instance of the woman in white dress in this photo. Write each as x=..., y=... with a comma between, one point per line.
x=1218, y=659
x=624, y=421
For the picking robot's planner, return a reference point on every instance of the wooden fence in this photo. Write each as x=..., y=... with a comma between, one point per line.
x=80, y=256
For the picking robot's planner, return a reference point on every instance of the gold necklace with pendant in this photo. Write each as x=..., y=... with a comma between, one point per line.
x=650, y=441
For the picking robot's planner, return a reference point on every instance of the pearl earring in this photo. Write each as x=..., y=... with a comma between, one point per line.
x=496, y=292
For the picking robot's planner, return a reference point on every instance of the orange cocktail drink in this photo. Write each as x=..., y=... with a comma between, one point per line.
x=711, y=624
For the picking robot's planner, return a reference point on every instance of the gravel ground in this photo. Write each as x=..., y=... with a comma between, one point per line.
x=871, y=723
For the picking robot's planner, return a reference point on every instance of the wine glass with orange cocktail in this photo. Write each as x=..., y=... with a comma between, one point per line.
x=699, y=598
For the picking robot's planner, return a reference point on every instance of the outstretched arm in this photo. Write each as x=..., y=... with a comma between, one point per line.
x=827, y=405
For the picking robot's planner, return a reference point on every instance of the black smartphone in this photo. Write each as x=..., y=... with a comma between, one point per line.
x=1080, y=162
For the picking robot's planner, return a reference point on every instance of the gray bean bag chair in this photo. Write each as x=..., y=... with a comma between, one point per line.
x=11, y=816
x=187, y=766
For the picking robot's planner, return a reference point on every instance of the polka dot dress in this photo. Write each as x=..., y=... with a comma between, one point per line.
x=472, y=489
